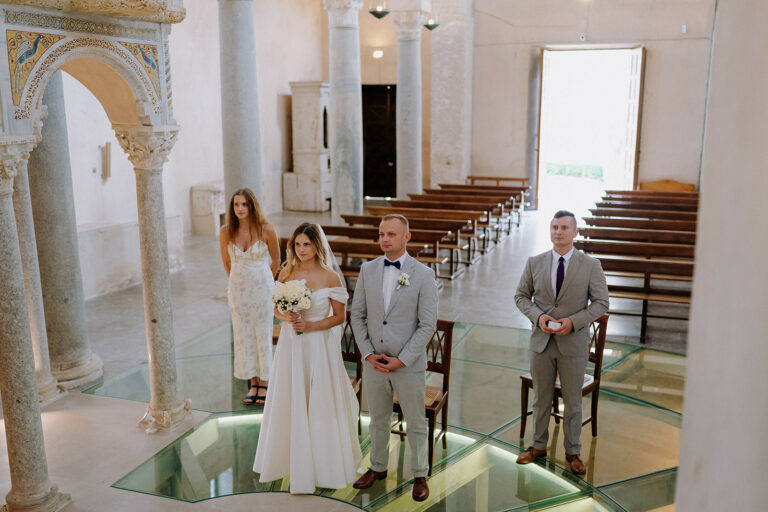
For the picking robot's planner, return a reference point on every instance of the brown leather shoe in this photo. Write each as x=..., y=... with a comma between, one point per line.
x=420, y=489
x=576, y=465
x=368, y=478
x=530, y=455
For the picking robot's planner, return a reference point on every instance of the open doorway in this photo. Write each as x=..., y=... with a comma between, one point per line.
x=379, y=141
x=589, y=125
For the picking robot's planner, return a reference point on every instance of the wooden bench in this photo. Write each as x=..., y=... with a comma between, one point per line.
x=651, y=193
x=508, y=201
x=640, y=235
x=646, y=205
x=643, y=214
x=651, y=271
x=472, y=216
x=432, y=237
x=455, y=227
x=620, y=222
x=497, y=179
x=496, y=221
x=644, y=199
x=642, y=249
x=521, y=192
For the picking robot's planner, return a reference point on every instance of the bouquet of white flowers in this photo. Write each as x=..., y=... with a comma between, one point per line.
x=291, y=296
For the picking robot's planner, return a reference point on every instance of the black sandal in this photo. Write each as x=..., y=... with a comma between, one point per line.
x=253, y=399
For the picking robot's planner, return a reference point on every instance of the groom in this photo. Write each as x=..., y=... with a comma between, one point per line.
x=394, y=315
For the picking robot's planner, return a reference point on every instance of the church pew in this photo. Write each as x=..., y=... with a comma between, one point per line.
x=495, y=209
x=432, y=237
x=472, y=216
x=639, y=235
x=520, y=191
x=643, y=214
x=629, y=223
x=648, y=205
x=647, y=194
x=651, y=271
x=507, y=200
x=362, y=249
x=641, y=249
x=473, y=179
x=500, y=224
x=665, y=200
x=456, y=227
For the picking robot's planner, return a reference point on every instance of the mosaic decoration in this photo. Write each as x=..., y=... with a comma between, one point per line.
x=24, y=50
x=146, y=54
x=76, y=25
x=83, y=42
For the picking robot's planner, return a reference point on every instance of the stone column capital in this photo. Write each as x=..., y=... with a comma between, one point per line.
x=408, y=24
x=14, y=153
x=147, y=147
x=343, y=13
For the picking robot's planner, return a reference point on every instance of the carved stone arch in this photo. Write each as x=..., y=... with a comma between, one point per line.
x=108, y=70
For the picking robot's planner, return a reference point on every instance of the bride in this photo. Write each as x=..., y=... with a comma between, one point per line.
x=309, y=427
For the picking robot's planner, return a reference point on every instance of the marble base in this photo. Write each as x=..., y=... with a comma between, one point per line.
x=50, y=391
x=156, y=419
x=52, y=502
x=306, y=192
x=87, y=372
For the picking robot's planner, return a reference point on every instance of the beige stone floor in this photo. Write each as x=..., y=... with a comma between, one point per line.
x=92, y=441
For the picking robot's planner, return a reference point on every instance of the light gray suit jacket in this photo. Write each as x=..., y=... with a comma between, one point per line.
x=404, y=329
x=583, y=298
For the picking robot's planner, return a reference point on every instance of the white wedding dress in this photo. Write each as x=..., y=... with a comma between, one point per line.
x=309, y=427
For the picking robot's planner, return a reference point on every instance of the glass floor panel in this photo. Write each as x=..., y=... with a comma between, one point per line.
x=652, y=492
x=485, y=478
x=633, y=439
x=631, y=464
x=649, y=375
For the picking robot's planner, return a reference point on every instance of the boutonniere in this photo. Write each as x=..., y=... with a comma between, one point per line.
x=403, y=280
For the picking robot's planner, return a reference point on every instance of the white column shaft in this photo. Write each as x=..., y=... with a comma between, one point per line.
x=345, y=118
x=239, y=98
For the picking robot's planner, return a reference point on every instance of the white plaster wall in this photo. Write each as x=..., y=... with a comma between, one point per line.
x=726, y=388
x=509, y=35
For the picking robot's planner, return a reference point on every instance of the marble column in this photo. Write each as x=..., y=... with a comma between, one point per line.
x=451, y=92
x=31, y=490
x=239, y=98
x=408, y=109
x=53, y=205
x=47, y=385
x=345, y=118
x=148, y=148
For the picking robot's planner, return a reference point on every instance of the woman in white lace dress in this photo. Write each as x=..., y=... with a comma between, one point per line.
x=251, y=256
x=309, y=427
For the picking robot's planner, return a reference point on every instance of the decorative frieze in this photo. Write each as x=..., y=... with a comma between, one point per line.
x=158, y=11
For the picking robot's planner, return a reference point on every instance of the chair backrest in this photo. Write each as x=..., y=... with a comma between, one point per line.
x=597, y=344
x=349, y=350
x=439, y=351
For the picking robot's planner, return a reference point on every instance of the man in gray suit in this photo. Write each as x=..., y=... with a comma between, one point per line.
x=394, y=315
x=562, y=292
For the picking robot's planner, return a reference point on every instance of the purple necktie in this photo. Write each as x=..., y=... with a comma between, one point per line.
x=560, y=276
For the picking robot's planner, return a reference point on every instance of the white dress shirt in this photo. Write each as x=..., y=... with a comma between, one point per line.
x=388, y=284
x=556, y=262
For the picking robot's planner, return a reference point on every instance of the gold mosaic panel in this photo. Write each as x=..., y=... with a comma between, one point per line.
x=24, y=50
x=146, y=54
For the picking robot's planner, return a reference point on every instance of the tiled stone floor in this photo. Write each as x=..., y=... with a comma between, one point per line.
x=631, y=463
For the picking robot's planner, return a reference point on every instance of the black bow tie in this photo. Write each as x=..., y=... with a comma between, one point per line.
x=395, y=264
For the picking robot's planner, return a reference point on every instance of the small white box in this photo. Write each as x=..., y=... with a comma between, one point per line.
x=554, y=325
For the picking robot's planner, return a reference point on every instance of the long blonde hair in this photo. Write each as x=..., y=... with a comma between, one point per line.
x=311, y=231
x=255, y=214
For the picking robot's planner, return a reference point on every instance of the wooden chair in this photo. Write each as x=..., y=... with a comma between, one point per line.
x=436, y=397
x=591, y=382
x=350, y=354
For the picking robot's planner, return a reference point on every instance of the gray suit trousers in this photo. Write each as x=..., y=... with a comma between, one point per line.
x=410, y=388
x=544, y=369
